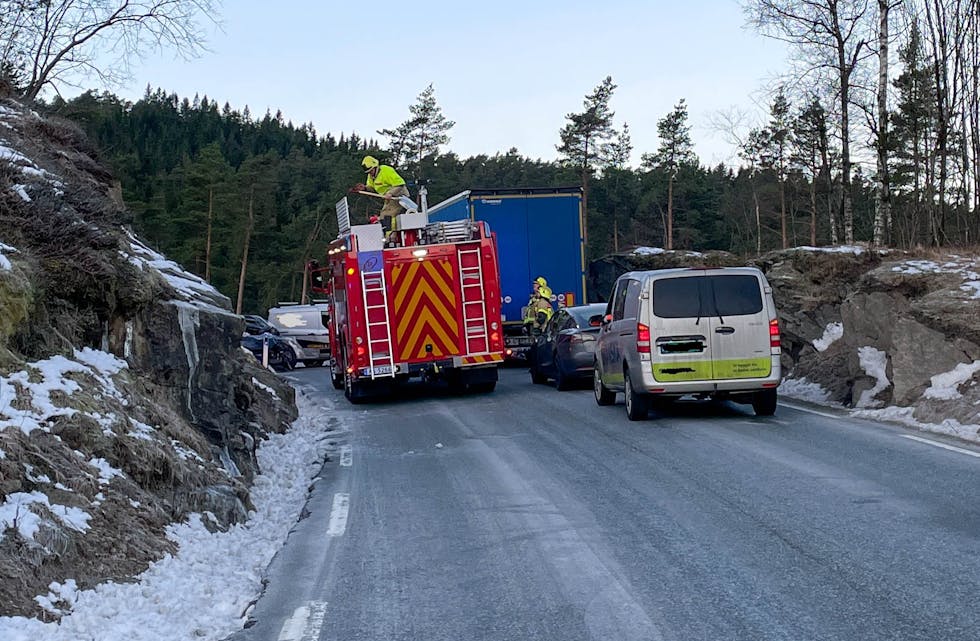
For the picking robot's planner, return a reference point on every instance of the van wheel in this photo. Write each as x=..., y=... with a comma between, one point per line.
x=603, y=395
x=764, y=402
x=637, y=405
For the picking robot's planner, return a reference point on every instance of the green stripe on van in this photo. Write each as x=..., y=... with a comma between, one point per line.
x=679, y=371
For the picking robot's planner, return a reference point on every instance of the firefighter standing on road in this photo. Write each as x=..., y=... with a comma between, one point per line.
x=538, y=310
x=383, y=179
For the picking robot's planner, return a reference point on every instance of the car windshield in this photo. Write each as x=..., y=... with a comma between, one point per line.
x=293, y=319
x=701, y=296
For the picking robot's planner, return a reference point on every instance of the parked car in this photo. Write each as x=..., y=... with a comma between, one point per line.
x=257, y=325
x=282, y=355
x=565, y=350
x=307, y=325
x=674, y=332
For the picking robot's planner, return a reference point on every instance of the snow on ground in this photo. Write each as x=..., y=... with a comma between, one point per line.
x=965, y=268
x=874, y=363
x=203, y=591
x=857, y=250
x=804, y=390
x=16, y=512
x=831, y=333
x=52, y=377
x=4, y=261
x=656, y=251
x=190, y=287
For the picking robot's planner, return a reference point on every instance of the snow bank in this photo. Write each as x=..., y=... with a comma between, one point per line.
x=804, y=390
x=656, y=251
x=831, y=333
x=857, y=250
x=190, y=287
x=203, y=591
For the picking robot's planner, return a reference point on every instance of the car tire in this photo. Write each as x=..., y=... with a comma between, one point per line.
x=764, y=402
x=562, y=382
x=537, y=377
x=637, y=405
x=603, y=395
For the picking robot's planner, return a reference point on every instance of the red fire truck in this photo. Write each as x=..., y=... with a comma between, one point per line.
x=423, y=301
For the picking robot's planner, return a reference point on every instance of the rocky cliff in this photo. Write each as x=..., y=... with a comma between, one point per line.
x=892, y=334
x=126, y=402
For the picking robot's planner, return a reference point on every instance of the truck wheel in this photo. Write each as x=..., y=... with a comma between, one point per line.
x=603, y=395
x=353, y=390
x=337, y=380
x=764, y=402
x=637, y=405
x=483, y=388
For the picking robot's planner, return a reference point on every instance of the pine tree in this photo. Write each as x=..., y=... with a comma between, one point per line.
x=810, y=154
x=422, y=134
x=584, y=138
x=675, y=150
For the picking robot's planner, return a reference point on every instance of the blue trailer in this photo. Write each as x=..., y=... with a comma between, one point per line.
x=539, y=233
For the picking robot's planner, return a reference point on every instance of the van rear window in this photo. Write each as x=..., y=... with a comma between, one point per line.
x=703, y=296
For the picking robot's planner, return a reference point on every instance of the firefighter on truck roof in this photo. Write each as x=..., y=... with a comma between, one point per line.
x=538, y=310
x=384, y=180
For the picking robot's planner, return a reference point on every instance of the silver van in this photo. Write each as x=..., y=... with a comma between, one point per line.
x=307, y=325
x=674, y=332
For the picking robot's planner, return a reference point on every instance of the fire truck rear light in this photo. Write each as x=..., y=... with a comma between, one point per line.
x=420, y=253
x=350, y=370
x=509, y=352
x=493, y=325
x=358, y=340
x=494, y=337
x=360, y=351
x=350, y=271
x=642, y=338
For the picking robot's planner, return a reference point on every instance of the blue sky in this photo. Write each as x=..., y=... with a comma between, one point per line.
x=506, y=71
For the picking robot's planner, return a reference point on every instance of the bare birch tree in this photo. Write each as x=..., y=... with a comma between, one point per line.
x=830, y=36
x=50, y=43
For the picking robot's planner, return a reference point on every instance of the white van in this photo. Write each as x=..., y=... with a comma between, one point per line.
x=708, y=332
x=307, y=324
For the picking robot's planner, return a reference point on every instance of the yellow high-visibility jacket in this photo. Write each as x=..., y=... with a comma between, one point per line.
x=386, y=179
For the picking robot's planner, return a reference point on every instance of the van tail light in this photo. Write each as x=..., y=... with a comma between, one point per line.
x=774, y=338
x=642, y=338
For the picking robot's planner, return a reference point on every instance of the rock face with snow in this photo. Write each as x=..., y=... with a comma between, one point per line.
x=126, y=403
x=865, y=329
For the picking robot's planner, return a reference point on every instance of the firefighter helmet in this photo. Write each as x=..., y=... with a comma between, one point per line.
x=541, y=281
x=369, y=163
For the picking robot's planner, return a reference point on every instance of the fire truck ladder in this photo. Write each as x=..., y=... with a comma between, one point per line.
x=474, y=306
x=380, y=352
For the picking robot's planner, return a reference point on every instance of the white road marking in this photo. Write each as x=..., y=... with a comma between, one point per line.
x=338, y=515
x=951, y=448
x=305, y=624
x=346, y=456
x=809, y=411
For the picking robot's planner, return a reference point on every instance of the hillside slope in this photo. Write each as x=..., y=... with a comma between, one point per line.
x=126, y=402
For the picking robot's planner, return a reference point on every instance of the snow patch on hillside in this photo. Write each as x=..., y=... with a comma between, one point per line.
x=831, y=333
x=945, y=386
x=203, y=590
x=4, y=261
x=874, y=363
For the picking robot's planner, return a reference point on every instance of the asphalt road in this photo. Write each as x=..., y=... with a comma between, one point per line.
x=535, y=514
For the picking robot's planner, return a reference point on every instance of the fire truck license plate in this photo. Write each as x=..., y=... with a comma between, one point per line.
x=381, y=369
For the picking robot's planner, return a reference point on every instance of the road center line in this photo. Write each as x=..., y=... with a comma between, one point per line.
x=951, y=448
x=338, y=515
x=346, y=456
x=305, y=624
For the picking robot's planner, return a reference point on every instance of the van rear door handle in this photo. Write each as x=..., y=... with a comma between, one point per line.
x=724, y=330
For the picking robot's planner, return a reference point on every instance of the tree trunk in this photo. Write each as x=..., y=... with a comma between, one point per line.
x=782, y=211
x=758, y=219
x=670, y=211
x=883, y=196
x=813, y=211
x=207, y=243
x=585, y=209
x=248, y=239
